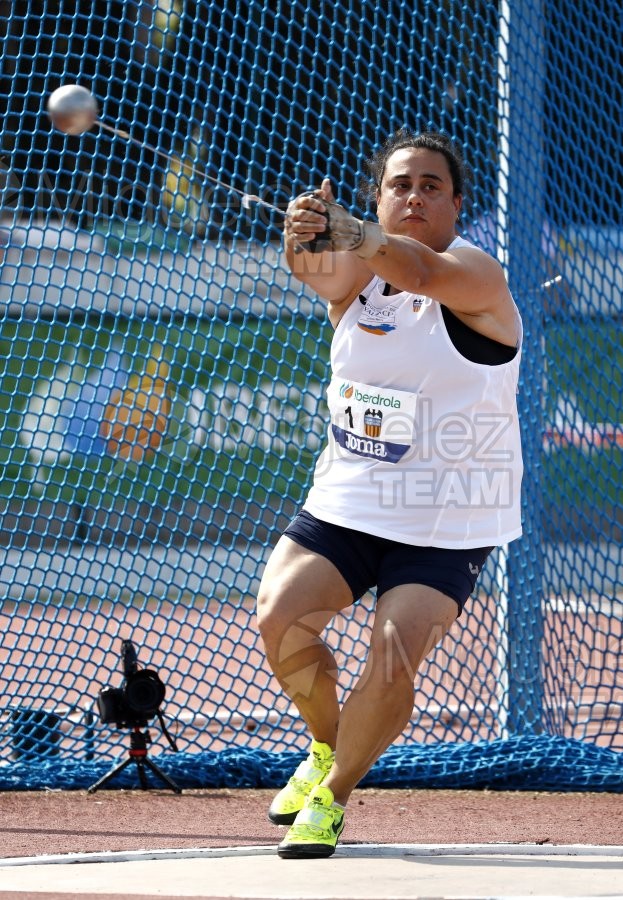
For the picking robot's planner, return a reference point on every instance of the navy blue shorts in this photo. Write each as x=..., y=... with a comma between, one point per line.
x=366, y=561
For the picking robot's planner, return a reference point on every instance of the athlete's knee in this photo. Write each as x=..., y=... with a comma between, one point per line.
x=290, y=628
x=271, y=612
x=277, y=615
x=410, y=623
x=395, y=655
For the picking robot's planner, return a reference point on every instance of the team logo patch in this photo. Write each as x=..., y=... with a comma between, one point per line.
x=377, y=320
x=421, y=302
x=372, y=422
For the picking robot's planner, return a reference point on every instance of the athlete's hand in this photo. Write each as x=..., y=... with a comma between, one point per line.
x=318, y=224
x=306, y=218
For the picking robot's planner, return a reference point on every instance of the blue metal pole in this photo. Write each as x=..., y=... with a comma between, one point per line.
x=526, y=270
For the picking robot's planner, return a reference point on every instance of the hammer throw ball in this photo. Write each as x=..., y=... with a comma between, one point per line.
x=72, y=109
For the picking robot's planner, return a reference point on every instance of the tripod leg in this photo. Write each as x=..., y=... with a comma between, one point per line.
x=163, y=775
x=106, y=778
x=140, y=765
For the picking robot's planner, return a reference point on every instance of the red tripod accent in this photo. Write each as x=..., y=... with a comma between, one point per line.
x=137, y=754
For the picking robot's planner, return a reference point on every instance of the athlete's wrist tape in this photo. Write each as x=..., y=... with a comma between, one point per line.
x=345, y=232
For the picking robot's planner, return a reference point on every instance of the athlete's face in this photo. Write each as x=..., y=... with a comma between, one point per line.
x=417, y=199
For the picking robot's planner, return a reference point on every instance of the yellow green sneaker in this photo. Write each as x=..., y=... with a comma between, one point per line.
x=291, y=799
x=316, y=828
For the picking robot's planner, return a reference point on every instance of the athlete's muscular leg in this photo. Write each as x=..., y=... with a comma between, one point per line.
x=299, y=594
x=409, y=621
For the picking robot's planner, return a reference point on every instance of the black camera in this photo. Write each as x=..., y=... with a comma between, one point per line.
x=138, y=699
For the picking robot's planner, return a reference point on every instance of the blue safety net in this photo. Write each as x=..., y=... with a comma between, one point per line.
x=162, y=376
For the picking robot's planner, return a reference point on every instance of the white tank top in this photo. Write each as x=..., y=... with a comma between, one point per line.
x=423, y=445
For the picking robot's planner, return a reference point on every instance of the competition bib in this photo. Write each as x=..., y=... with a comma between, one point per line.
x=369, y=421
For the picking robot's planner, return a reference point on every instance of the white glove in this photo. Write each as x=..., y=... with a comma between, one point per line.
x=345, y=232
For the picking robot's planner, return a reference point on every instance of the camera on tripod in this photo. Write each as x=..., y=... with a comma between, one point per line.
x=138, y=699
x=132, y=706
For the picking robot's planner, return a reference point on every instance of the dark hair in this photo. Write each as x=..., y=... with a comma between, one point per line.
x=406, y=139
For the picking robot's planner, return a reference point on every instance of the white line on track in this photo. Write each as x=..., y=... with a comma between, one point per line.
x=382, y=851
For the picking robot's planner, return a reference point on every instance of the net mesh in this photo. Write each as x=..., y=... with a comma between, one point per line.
x=162, y=375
